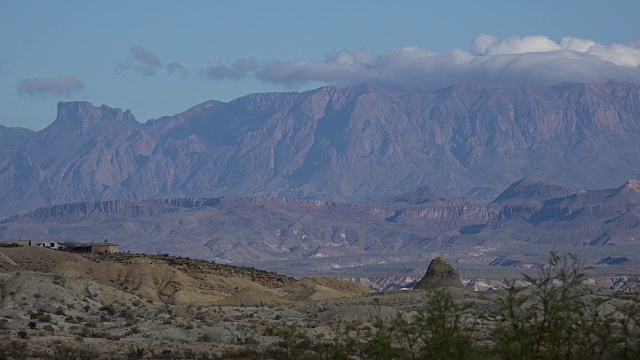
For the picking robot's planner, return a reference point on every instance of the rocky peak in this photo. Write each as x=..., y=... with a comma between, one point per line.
x=631, y=187
x=84, y=114
x=265, y=102
x=529, y=190
x=203, y=107
x=632, y=184
x=440, y=274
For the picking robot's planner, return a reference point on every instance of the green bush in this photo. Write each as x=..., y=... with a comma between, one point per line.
x=558, y=317
x=437, y=333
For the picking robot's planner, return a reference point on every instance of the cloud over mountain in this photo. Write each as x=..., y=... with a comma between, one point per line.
x=146, y=63
x=59, y=85
x=524, y=61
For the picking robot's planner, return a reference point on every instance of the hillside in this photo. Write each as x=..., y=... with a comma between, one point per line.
x=357, y=143
x=140, y=299
x=61, y=305
x=376, y=239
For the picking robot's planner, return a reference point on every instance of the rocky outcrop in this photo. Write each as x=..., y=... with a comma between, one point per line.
x=440, y=274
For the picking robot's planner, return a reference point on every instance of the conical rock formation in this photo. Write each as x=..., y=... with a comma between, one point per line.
x=440, y=274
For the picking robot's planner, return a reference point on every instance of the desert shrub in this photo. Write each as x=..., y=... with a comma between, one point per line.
x=630, y=330
x=382, y=342
x=436, y=333
x=43, y=316
x=246, y=338
x=108, y=309
x=293, y=342
x=440, y=333
x=204, y=337
x=126, y=313
x=177, y=354
x=134, y=353
x=14, y=350
x=68, y=352
x=240, y=354
x=557, y=317
x=90, y=324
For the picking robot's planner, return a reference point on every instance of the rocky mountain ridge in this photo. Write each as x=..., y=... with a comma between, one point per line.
x=331, y=144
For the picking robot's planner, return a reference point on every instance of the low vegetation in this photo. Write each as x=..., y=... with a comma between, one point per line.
x=556, y=317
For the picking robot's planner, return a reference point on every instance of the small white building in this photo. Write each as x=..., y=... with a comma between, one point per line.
x=52, y=245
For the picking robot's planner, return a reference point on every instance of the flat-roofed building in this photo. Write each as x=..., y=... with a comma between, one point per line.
x=21, y=242
x=104, y=247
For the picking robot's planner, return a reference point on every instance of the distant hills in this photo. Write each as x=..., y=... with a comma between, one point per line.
x=530, y=214
x=353, y=144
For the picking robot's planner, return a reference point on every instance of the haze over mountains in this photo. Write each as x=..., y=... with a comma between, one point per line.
x=357, y=143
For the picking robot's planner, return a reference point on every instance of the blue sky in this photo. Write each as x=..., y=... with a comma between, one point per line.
x=161, y=57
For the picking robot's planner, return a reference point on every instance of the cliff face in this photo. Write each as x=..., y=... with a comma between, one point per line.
x=332, y=144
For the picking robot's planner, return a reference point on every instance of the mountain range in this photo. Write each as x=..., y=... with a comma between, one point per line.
x=353, y=144
x=386, y=237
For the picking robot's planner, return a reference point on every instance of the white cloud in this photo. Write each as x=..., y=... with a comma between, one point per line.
x=482, y=43
x=518, y=45
x=576, y=44
x=528, y=61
